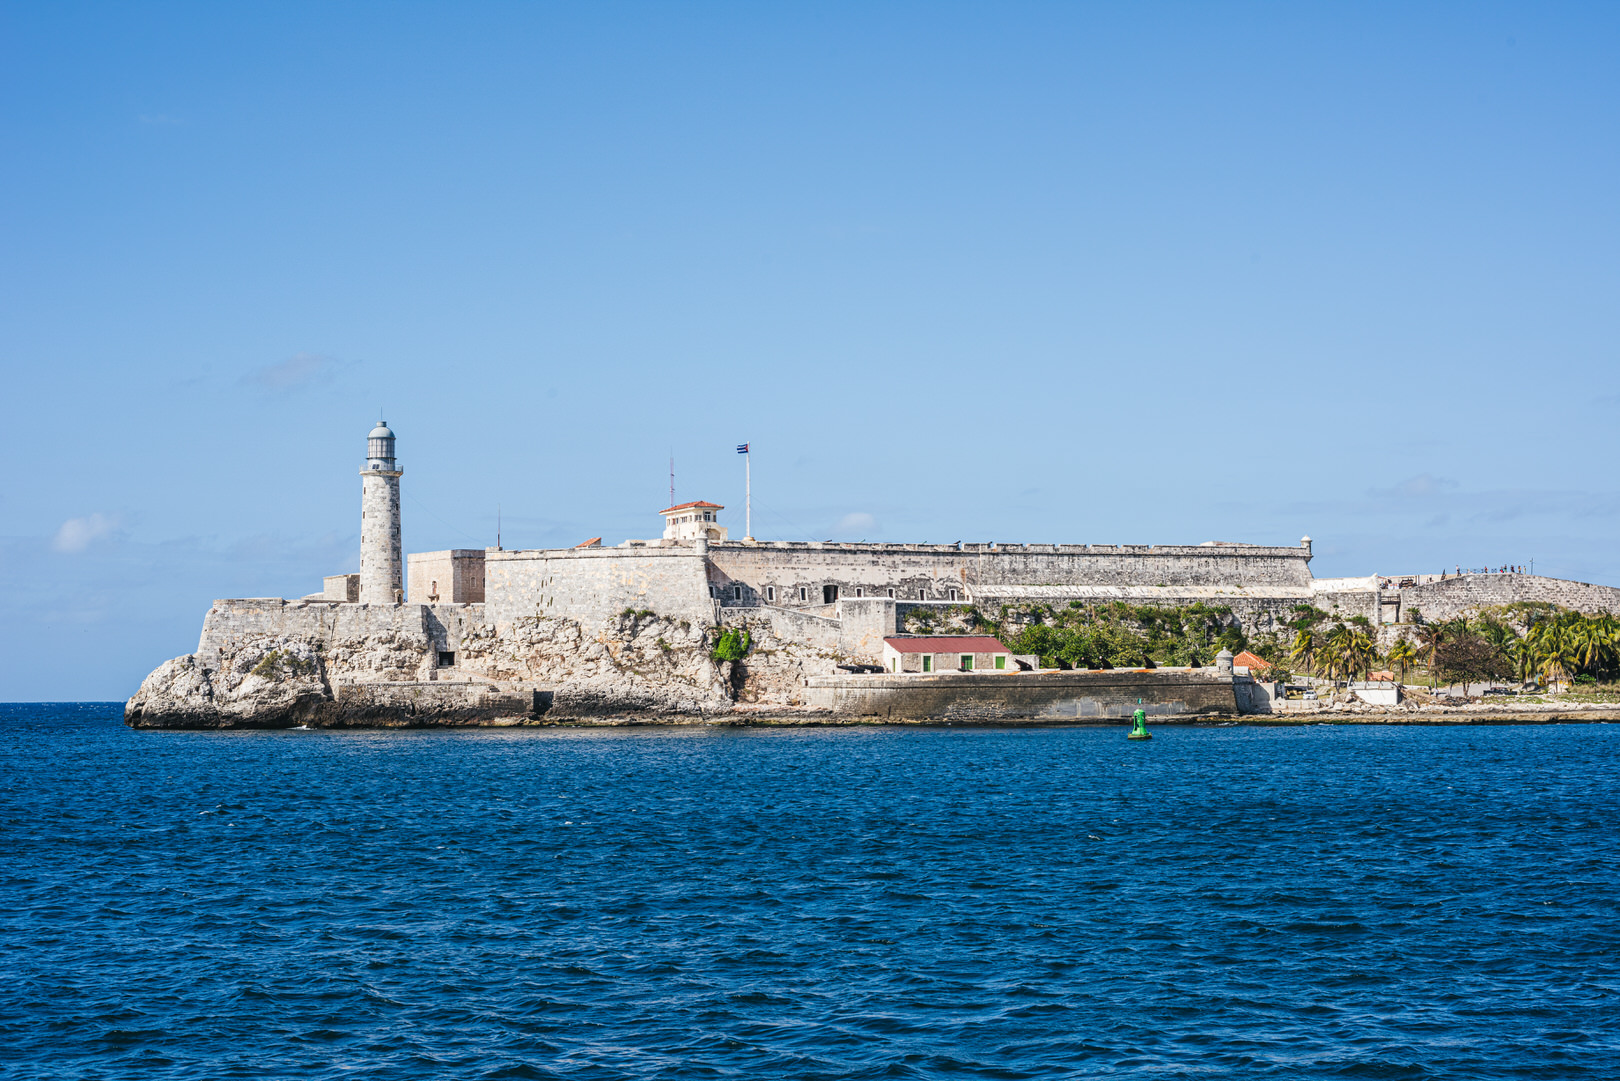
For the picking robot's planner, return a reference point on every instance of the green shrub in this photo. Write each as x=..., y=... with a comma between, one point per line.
x=732, y=646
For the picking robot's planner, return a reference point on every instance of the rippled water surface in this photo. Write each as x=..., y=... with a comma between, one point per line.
x=898, y=903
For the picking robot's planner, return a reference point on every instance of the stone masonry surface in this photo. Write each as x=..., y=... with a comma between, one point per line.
x=381, y=580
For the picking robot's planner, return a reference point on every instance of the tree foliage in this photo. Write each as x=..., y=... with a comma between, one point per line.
x=1471, y=657
x=1120, y=635
x=732, y=646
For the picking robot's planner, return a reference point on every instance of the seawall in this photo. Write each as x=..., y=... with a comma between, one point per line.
x=1042, y=696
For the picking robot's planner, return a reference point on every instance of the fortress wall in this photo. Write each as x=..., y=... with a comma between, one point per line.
x=1046, y=696
x=863, y=624
x=231, y=621
x=1452, y=597
x=593, y=585
x=930, y=571
x=1159, y=565
x=873, y=569
x=458, y=574
x=1347, y=604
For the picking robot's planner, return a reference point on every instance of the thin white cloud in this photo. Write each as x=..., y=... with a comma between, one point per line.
x=77, y=534
x=857, y=524
x=297, y=371
x=1422, y=486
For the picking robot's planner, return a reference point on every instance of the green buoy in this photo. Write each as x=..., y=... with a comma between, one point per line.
x=1139, y=723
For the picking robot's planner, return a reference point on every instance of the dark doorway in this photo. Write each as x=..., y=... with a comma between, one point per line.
x=829, y=594
x=447, y=659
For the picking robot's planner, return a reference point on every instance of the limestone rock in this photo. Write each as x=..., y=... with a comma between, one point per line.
x=633, y=665
x=266, y=681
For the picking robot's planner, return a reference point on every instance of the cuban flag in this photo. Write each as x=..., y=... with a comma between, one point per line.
x=742, y=448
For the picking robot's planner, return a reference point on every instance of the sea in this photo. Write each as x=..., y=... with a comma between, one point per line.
x=1331, y=901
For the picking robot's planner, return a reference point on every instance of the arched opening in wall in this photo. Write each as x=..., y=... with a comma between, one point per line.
x=829, y=594
x=891, y=594
x=953, y=594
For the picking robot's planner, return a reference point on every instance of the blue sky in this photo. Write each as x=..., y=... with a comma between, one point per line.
x=1144, y=273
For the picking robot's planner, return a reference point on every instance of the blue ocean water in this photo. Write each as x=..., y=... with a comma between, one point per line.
x=1237, y=902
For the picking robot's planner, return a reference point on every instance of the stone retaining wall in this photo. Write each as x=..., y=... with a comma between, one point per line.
x=1045, y=696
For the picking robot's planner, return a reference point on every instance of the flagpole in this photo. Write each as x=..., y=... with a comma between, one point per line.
x=748, y=494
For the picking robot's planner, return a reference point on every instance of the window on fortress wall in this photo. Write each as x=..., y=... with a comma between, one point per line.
x=953, y=594
x=891, y=594
x=736, y=593
x=770, y=594
x=714, y=593
x=859, y=592
x=804, y=593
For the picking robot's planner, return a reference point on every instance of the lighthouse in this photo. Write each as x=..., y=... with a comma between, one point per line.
x=381, y=577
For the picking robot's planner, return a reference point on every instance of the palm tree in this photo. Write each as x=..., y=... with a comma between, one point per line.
x=1339, y=655
x=1361, y=652
x=1555, y=643
x=1430, y=637
x=1304, y=649
x=1592, y=644
x=1401, y=655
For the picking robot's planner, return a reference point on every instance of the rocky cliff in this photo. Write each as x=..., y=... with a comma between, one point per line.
x=272, y=664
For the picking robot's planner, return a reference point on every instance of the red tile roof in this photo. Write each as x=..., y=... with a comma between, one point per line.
x=594, y=542
x=947, y=643
x=1253, y=662
x=685, y=506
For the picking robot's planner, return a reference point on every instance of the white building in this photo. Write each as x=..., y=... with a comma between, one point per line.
x=694, y=521
x=946, y=653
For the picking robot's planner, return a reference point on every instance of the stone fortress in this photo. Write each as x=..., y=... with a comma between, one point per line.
x=499, y=636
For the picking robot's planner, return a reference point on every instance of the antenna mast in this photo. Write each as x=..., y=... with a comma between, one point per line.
x=672, y=478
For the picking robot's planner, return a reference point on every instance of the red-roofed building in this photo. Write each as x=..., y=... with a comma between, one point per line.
x=946, y=653
x=693, y=521
x=1252, y=661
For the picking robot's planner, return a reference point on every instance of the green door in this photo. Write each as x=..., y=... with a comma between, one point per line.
x=928, y=662
x=967, y=662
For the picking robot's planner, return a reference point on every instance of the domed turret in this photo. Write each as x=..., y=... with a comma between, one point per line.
x=380, y=447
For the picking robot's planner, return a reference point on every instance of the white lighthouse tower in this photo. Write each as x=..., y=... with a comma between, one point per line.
x=381, y=578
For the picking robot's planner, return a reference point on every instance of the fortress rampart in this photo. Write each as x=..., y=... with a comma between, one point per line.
x=1451, y=597
x=231, y=622
x=798, y=574
x=593, y=585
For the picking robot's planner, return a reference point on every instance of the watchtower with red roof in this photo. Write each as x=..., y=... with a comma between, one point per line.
x=694, y=521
